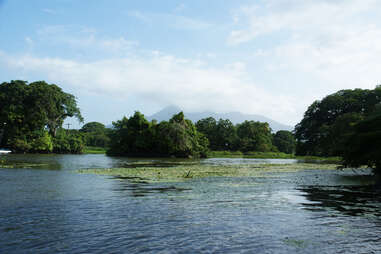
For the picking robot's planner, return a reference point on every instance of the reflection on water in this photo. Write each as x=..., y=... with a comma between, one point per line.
x=140, y=189
x=60, y=211
x=350, y=200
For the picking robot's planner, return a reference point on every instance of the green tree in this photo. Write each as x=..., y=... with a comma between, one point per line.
x=314, y=133
x=95, y=134
x=28, y=110
x=138, y=137
x=284, y=141
x=50, y=104
x=254, y=136
x=363, y=145
x=68, y=141
x=208, y=127
x=226, y=135
x=222, y=135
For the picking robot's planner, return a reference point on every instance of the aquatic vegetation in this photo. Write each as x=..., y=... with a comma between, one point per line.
x=295, y=242
x=8, y=164
x=184, y=172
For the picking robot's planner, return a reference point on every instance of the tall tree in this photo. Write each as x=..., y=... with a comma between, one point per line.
x=136, y=136
x=362, y=147
x=95, y=134
x=52, y=105
x=26, y=110
x=284, y=141
x=314, y=133
x=254, y=136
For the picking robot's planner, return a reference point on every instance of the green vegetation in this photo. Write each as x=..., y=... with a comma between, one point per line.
x=32, y=114
x=7, y=164
x=138, y=137
x=184, y=172
x=363, y=145
x=258, y=155
x=346, y=124
x=94, y=150
x=327, y=123
x=285, y=142
x=95, y=134
x=249, y=136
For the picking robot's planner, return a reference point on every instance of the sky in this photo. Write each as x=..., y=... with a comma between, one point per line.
x=267, y=57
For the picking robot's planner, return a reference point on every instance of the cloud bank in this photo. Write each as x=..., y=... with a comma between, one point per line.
x=163, y=79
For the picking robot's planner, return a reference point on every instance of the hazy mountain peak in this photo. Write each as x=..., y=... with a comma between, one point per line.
x=235, y=117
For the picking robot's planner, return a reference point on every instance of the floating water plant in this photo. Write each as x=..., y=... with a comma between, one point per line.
x=185, y=172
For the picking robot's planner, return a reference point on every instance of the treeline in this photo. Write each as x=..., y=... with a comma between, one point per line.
x=347, y=124
x=179, y=137
x=32, y=115
x=248, y=136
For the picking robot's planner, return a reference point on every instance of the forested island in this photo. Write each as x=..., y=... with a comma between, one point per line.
x=345, y=124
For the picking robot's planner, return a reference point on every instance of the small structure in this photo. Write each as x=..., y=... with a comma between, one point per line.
x=3, y=151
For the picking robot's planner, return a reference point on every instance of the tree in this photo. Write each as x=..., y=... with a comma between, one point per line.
x=28, y=110
x=138, y=137
x=284, y=141
x=208, y=127
x=314, y=133
x=95, y=134
x=222, y=135
x=52, y=105
x=226, y=135
x=254, y=136
x=363, y=145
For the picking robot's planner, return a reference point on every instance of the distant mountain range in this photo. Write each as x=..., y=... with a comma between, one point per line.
x=235, y=117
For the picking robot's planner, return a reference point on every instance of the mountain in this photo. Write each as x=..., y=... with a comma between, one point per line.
x=235, y=117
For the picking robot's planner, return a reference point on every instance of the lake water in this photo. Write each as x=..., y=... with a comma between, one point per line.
x=53, y=209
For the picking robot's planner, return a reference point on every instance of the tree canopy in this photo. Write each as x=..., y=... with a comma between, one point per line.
x=362, y=147
x=137, y=137
x=95, y=134
x=326, y=121
x=284, y=141
x=248, y=136
x=28, y=111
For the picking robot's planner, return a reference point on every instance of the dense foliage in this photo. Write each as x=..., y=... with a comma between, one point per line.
x=68, y=141
x=135, y=136
x=245, y=137
x=284, y=141
x=363, y=145
x=31, y=114
x=328, y=122
x=222, y=135
x=95, y=134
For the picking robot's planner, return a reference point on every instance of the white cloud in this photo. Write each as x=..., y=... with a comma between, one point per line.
x=174, y=21
x=165, y=80
x=49, y=11
x=83, y=37
x=308, y=18
x=320, y=46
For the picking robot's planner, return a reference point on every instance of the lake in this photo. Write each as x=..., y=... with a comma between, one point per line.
x=50, y=208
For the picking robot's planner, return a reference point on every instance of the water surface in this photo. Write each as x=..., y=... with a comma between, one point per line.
x=52, y=209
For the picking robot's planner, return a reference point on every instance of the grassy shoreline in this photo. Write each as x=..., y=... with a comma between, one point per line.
x=94, y=150
x=272, y=155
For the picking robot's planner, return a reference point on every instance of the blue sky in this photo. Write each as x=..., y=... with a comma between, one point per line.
x=269, y=57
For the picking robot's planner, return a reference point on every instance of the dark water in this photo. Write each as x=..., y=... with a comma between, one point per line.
x=52, y=209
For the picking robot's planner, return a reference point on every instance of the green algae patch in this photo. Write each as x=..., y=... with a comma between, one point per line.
x=295, y=242
x=180, y=173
